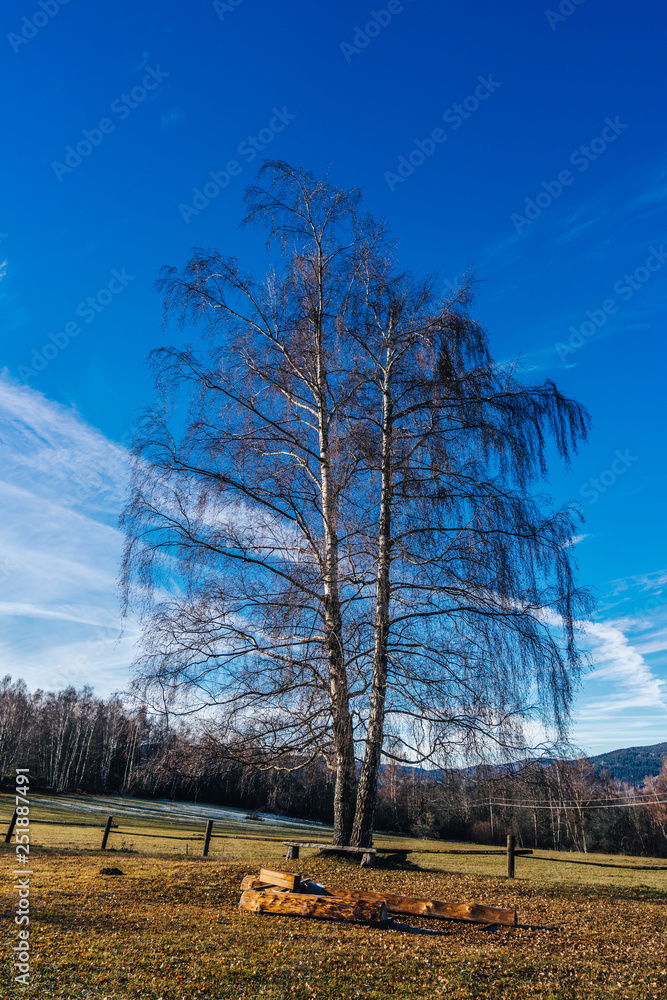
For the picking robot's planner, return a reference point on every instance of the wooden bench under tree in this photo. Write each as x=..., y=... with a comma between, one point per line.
x=367, y=853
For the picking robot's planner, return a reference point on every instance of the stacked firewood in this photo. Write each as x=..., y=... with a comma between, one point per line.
x=286, y=894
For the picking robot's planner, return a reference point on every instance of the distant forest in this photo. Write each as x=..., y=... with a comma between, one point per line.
x=74, y=742
x=632, y=764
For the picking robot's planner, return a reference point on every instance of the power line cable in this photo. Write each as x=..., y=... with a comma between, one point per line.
x=570, y=804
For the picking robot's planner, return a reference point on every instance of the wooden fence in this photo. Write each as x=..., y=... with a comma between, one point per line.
x=207, y=834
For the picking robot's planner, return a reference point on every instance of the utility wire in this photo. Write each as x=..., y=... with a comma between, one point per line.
x=570, y=804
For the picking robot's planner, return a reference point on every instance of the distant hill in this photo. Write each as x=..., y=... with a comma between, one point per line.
x=632, y=764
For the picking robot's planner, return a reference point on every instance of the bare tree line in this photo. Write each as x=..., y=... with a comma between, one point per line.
x=75, y=742
x=72, y=740
x=562, y=805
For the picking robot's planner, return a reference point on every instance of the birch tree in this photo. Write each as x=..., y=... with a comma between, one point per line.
x=471, y=570
x=338, y=548
x=252, y=501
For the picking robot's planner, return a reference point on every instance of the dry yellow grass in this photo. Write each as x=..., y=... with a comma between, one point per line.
x=169, y=928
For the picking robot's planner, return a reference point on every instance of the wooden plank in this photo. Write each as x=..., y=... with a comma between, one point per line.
x=395, y=850
x=517, y=852
x=161, y=836
x=58, y=822
x=601, y=864
x=436, y=908
x=283, y=880
x=158, y=836
x=357, y=911
x=330, y=847
x=252, y=882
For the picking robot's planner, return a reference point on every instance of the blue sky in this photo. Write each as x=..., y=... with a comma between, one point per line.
x=525, y=142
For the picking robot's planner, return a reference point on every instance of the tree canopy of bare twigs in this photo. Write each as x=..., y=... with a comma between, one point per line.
x=339, y=550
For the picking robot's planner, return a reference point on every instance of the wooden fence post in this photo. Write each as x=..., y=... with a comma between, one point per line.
x=207, y=838
x=105, y=836
x=510, y=855
x=12, y=824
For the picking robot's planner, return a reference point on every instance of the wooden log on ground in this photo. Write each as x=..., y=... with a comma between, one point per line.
x=435, y=908
x=292, y=852
x=283, y=880
x=288, y=904
x=403, y=905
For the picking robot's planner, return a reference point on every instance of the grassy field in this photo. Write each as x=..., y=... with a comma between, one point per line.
x=169, y=928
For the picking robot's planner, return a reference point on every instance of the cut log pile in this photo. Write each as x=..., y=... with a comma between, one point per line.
x=287, y=894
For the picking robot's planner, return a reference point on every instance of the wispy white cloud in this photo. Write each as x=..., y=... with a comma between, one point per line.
x=656, y=580
x=620, y=679
x=61, y=488
x=574, y=228
x=621, y=692
x=577, y=539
